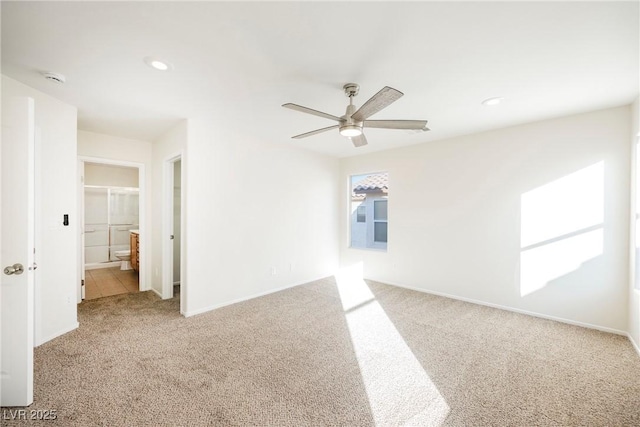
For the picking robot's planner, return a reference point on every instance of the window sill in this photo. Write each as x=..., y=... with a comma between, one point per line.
x=357, y=248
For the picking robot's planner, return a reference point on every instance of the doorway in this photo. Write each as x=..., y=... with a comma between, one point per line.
x=119, y=202
x=173, y=284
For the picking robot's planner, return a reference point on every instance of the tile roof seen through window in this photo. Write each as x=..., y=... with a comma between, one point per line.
x=373, y=183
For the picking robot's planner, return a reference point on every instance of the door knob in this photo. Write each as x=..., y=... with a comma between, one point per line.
x=14, y=269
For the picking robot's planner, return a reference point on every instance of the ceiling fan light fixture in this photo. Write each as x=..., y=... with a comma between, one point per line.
x=350, y=131
x=350, y=125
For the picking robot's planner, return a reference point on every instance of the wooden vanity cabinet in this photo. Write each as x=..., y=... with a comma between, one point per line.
x=135, y=251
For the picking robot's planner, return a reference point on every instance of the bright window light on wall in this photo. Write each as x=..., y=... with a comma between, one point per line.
x=561, y=227
x=546, y=263
x=573, y=202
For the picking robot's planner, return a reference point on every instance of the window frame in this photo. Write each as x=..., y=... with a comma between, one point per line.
x=377, y=221
x=365, y=240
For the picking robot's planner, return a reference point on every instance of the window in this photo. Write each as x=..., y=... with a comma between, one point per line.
x=369, y=221
x=380, y=221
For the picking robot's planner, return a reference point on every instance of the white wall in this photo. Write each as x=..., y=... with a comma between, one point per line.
x=634, y=291
x=456, y=208
x=170, y=145
x=56, y=249
x=108, y=147
x=110, y=176
x=255, y=208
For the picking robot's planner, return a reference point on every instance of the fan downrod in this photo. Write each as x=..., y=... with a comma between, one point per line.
x=351, y=89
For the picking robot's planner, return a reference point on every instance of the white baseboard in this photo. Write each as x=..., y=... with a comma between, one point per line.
x=156, y=292
x=634, y=344
x=58, y=333
x=512, y=309
x=100, y=265
x=258, y=295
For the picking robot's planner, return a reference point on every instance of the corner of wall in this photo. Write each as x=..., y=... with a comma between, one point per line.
x=250, y=203
x=171, y=144
x=634, y=265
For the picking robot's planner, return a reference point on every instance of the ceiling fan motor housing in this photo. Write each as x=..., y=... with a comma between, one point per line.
x=348, y=126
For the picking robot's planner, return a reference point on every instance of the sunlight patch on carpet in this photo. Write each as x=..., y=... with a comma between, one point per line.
x=398, y=388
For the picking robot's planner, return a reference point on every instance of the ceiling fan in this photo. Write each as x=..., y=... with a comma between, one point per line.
x=353, y=121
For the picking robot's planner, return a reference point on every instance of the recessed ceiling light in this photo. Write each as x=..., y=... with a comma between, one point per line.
x=489, y=102
x=157, y=64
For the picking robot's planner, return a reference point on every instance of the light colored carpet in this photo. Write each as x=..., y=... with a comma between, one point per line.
x=319, y=354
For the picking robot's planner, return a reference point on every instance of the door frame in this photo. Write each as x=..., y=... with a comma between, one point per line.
x=143, y=284
x=168, y=227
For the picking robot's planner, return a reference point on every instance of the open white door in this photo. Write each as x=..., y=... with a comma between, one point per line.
x=17, y=252
x=172, y=228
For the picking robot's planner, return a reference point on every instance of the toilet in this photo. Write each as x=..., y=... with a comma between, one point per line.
x=125, y=257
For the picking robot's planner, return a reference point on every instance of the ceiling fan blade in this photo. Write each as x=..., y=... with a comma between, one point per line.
x=377, y=102
x=397, y=124
x=311, y=111
x=314, y=132
x=359, y=141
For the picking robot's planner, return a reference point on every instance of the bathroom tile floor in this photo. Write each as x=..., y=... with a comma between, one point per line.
x=105, y=282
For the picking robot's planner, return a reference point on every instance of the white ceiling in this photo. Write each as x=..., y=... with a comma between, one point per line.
x=237, y=63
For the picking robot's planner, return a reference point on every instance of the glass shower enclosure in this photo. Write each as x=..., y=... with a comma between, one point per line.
x=109, y=214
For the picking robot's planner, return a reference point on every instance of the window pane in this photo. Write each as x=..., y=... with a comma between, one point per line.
x=380, y=210
x=362, y=214
x=380, y=231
